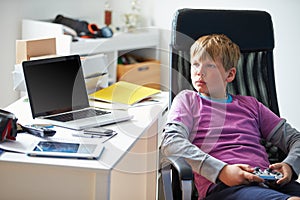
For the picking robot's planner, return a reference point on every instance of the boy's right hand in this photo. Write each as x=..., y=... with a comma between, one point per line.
x=238, y=174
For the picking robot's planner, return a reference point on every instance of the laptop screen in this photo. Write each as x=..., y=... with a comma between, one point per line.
x=55, y=85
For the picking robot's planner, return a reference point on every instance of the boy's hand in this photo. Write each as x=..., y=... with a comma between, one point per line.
x=238, y=174
x=285, y=170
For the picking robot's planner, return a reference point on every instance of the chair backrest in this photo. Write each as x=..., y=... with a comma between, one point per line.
x=251, y=30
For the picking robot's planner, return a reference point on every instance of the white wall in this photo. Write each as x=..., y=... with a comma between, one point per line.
x=285, y=16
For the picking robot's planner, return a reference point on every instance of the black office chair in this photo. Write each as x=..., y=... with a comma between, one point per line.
x=253, y=32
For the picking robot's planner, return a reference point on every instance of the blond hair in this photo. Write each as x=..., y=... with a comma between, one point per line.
x=216, y=46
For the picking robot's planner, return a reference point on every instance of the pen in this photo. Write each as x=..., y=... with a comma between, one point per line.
x=86, y=135
x=95, y=75
x=113, y=135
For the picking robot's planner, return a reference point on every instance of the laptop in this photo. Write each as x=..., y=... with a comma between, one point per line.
x=57, y=94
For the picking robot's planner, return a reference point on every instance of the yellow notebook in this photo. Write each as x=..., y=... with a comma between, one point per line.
x=124, y=92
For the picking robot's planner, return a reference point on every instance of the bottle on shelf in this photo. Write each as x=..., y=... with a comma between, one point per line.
x=107, y=14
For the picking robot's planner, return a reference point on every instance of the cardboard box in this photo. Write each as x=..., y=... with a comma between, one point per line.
x=26, y=49
x=144, y=73
x=34, y=29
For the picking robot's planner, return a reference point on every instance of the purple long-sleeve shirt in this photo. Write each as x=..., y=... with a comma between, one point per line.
x=212, y=134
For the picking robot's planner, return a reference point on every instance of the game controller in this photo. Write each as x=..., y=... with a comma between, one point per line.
x=268, y=174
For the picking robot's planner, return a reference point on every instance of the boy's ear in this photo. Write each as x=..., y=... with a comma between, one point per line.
x=231, y=75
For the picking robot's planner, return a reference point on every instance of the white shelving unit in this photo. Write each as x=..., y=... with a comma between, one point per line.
x=143, y=42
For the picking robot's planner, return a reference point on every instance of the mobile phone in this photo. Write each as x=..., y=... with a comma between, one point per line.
x=98, y=131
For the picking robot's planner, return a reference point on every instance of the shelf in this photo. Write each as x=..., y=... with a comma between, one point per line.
x=140, y=41
x=120, y=41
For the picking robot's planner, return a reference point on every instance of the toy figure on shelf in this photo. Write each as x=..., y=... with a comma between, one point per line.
x=132, y=19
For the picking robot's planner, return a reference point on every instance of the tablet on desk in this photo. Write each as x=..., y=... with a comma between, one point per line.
x=66, y=150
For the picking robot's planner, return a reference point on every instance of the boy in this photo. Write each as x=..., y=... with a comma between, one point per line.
x=219, y=134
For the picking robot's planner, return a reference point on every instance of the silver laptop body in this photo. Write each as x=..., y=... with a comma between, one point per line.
x=57, y=94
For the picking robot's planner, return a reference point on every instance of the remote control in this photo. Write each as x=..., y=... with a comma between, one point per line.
x=38, y=131
x=268, y=174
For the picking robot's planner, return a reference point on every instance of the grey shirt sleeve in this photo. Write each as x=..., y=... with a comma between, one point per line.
x=175, y=142
x=287, y=139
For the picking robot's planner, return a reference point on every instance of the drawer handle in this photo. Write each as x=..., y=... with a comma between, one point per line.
x=143, y=68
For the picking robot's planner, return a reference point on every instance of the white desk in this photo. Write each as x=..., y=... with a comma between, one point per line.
x=127, y=168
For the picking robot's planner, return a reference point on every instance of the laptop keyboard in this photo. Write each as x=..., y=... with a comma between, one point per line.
x=78, y=115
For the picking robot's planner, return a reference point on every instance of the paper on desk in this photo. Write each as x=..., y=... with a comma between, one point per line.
x=108, y=105
x=154, y=99
x=18, y=78
x=22, y=144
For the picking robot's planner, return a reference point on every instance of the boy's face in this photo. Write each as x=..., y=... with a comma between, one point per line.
x=210, y=78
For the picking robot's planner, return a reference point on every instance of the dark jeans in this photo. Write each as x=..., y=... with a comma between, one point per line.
x=254, y=192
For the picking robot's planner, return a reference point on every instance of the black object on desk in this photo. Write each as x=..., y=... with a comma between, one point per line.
x=39, y=131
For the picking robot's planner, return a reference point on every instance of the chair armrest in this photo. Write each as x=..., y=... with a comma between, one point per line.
x=182, y=167
x=181, y=183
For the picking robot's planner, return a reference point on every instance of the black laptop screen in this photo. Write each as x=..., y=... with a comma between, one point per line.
x=55, y=85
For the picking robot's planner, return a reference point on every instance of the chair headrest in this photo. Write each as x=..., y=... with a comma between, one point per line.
x=251, y=30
